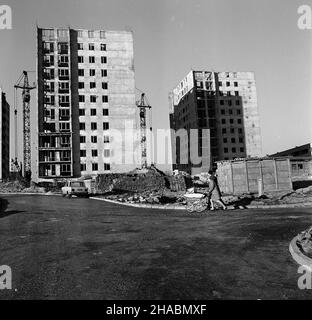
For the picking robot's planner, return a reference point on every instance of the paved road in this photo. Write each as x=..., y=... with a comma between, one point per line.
x=87, y=249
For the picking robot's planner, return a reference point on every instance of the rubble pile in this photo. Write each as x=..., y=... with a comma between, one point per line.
x=20, y=186
x=155, y=197
x=105, y=182
x=140, y=180
x=12, y=187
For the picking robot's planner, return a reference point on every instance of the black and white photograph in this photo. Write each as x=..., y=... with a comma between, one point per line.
x=156, y=155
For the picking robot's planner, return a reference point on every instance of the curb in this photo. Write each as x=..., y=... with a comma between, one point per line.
x=164, y=207
x=28, y=194
x=136, y=205
x=291, y=205
x=298, y=256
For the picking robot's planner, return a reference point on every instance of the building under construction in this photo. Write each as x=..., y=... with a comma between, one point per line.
x=4, y=136
x=224, y=103
x=88, y=120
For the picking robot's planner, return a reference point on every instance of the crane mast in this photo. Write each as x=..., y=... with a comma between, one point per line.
x=143, y=106
x=23, y=83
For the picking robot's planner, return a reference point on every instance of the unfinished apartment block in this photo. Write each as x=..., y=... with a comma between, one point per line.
x=86, y=91
x=226, y=104
x=4, y=136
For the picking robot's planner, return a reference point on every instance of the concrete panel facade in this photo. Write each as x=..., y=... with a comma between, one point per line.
x=86, y=96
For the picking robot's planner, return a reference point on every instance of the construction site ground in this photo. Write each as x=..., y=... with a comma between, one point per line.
x=165, y=198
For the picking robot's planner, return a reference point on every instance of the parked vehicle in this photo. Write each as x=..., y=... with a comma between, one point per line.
x=77, y=188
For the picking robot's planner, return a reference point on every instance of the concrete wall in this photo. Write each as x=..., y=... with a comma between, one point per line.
x=241, y=176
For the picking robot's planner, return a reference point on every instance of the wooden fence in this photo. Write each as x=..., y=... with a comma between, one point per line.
x=242, y=176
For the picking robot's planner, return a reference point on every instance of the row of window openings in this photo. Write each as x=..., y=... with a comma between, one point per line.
x=92, y=46
x=64, y=114
x=222, y=102
x=93, y=99
x=83, y=139
x=90, y=34
x=81, y=85
x=200, y=84
x=94, y=153
x=226, y=150
x=93, y=112
x=232, y=130
x=92, y=72
x=62, y=86
x=91, y=59
x=49, y=73
x=95, y=167
x=230, y=111
x=228, y=93
x=63, y=47
x=65, y=33
x=65, y=99
x=233, y=140
x=82, y=126
x=239, y=121
x=64, y=59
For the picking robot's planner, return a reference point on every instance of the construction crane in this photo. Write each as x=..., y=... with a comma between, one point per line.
x=23, y=83
x=143, y=106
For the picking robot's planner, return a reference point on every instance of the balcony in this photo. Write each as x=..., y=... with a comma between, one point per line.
x=63, y=90
x=66, y=78
x=49, y=119
x=48, y=76
x=47, y=159
x=63, y=51
x=64, y=118
x=64, y=104
x=48, y=63
x=48, y=89
x=47, y=51
x=63, y=64
x=65, y=173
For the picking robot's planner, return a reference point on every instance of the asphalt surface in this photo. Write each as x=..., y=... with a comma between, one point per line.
x=86, y=249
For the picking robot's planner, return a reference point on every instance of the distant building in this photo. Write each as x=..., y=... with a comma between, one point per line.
x=86, y=90
x=304, y=150
x=225, y=103
x=4, y=136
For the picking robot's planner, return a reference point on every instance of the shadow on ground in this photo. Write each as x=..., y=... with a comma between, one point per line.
x=3, y=207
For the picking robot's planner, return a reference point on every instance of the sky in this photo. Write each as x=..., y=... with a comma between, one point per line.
x=171, y=37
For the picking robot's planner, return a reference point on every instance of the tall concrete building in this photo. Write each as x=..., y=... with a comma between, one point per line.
x=4, y=136
x=86, y=103
x=223, y=102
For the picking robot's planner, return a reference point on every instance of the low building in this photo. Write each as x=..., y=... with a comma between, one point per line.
x=301, y=168
x=4, y=136
x=304, y=150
